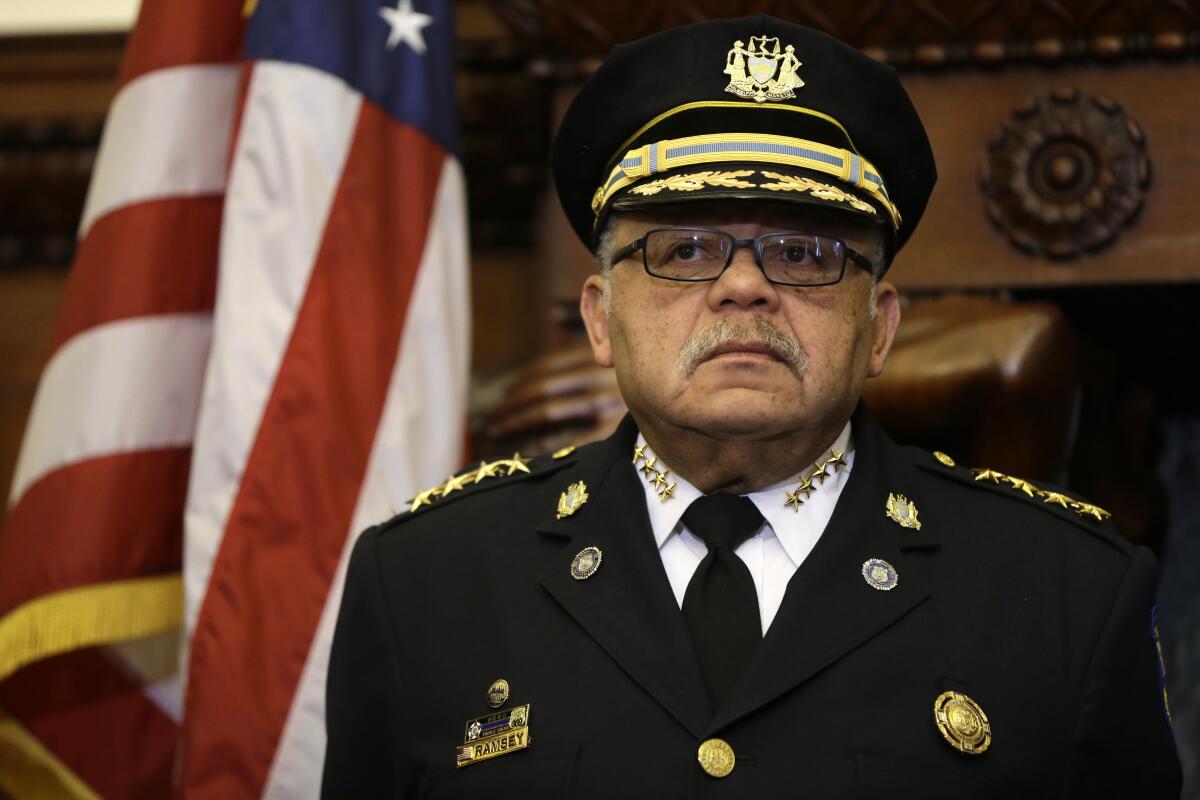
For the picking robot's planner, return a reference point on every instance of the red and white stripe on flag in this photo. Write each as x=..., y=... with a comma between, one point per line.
x=90, y=556
x=263, y=350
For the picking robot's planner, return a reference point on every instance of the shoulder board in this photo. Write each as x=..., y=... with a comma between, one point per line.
x=488, y=475
x=1086, y=515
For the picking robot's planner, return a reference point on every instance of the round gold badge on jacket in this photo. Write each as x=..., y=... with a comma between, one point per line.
x=716, y=757
x=585, y=563
x=497, y=693
x=962, y=723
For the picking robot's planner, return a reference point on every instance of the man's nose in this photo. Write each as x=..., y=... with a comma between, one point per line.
x=744, y=284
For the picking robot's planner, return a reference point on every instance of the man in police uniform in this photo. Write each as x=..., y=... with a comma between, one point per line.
x=748, y=590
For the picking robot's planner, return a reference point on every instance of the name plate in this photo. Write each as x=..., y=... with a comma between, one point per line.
x=494, y=735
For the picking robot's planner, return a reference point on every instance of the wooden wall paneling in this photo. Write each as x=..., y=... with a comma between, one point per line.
x=957, y=247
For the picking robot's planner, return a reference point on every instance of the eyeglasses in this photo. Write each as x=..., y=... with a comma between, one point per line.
x=703, y=254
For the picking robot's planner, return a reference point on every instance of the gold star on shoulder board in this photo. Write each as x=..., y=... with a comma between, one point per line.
x=456, y=482
x=424, y=498
x=988, y=475
x=1056, y=498
x=1089, y=509
x=517, y=464
x=1024, y=486
x=487, y=470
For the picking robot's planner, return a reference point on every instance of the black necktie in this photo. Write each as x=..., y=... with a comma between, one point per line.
x=720, y=604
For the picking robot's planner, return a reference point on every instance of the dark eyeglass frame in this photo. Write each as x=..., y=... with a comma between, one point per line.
x=756, y=244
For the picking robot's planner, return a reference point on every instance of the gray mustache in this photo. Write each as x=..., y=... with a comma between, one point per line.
x=757, y=329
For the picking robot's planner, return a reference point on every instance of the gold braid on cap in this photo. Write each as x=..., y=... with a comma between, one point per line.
x=784, y=151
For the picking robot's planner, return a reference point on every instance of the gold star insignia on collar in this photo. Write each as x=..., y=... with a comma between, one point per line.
x=820, y=472
x=667, y=492
x=793, y=501
x=660, y=479
x=988, y=475
x=563, y=452
x=1025, y=486
x=1056, y=498
x=648, y=466
x=638, y=453
x=837, y=459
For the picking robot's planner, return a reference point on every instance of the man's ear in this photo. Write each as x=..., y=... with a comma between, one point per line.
x=887, y=320
x=595, y=318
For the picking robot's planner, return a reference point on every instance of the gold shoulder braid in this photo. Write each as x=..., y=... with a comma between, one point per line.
x=1029, y=490
x=486, y=469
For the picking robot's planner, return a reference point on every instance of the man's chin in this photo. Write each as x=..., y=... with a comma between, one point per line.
x=739, y=413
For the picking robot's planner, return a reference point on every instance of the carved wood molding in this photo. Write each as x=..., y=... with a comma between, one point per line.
x=904, y=33
x=1065, y=174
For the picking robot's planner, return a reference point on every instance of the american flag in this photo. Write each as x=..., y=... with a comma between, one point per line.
x=263, y=349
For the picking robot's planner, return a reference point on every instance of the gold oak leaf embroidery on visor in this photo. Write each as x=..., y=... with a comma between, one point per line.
x=695, y=181
x=823, y=191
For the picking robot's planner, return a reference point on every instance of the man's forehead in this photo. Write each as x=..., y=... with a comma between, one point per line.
x=737, y=213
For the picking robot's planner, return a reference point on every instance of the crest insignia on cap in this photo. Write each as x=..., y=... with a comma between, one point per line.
x=762, y=71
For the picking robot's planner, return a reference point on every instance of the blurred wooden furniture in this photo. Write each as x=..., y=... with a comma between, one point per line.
x=992, y=383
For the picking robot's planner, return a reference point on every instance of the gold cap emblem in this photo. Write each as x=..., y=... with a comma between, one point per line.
x=903, y=511
x=962, y=723
x=585, y=563
x=497, y=693
x=716, y=757
x=572, y=499
x=762, y=71
x=880, y=575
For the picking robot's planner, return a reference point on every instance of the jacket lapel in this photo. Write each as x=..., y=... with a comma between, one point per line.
x=627, y=606
x=829, y=609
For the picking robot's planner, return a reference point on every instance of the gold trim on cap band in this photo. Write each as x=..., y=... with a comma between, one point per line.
x=668, y=154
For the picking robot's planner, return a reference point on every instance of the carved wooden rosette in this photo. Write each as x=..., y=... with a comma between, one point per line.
x=1065, y=174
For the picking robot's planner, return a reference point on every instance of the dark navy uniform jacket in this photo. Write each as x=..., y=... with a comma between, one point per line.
x=1039, y=614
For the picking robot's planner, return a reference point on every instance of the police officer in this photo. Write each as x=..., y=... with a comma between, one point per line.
x=748, y=590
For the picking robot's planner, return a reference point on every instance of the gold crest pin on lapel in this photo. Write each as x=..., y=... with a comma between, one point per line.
x=572, y=499
x=962, y=723
x=903, y=512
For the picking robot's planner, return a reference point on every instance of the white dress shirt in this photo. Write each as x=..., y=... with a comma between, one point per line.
x=773, y=554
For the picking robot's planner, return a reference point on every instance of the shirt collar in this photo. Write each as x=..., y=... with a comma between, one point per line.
x=795, y=529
